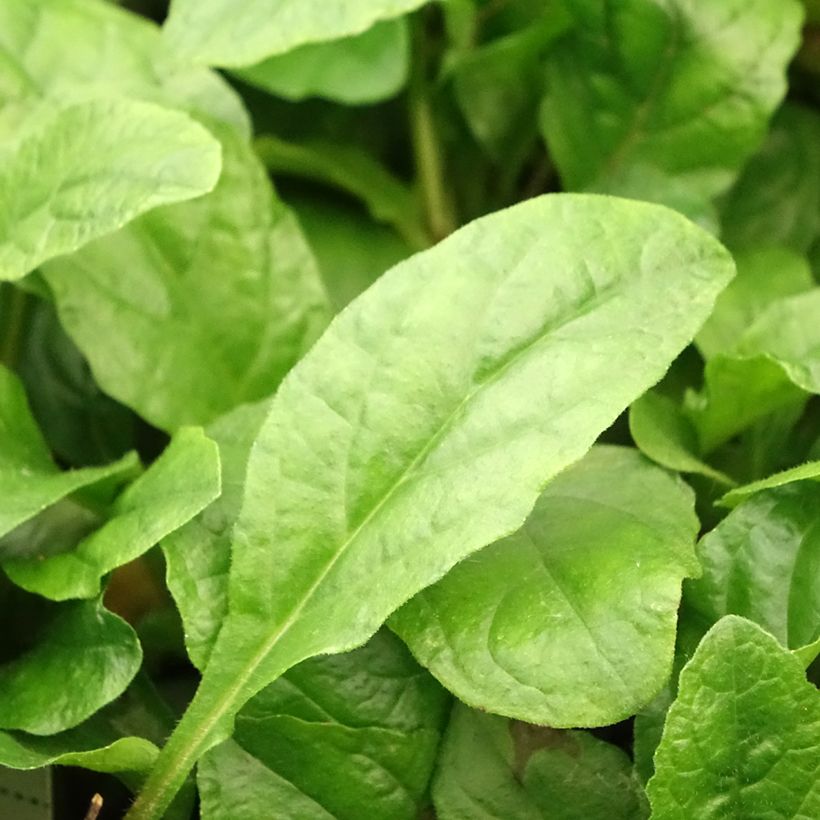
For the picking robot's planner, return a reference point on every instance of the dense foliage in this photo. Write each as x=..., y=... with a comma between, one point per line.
x=471, y=472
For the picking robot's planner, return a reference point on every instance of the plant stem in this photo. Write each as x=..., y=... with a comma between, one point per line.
x=438, y=205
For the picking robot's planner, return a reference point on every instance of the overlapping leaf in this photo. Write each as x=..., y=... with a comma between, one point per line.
x=183, y=481
x=331, y=736
x=408, y=452
x=75, y=50
x=571, y=620
x=222, y=291
x=30, y=482
x=85, y=170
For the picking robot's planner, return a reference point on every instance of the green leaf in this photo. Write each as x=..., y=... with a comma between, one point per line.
x=494, y=769
x=670, y=90
x=30, y=482
x=365, y=68
x=120, y=738
x=662, y=432
x=808, y=470
x=52, y=50
x=743, y=737
x=235, y=34
x=83, y=658
x=763, y=562
x=354, y=171
x=333, y=735
x=84, y=171
x=533, y=627
x=777, y=197
x=770, y=367
x=416, y=425
x=76, y=747
x=764, y=275
x=222, y=291
x=198, y=555
x=183, y=481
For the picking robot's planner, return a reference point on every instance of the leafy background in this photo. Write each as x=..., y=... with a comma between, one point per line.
x=556, y=606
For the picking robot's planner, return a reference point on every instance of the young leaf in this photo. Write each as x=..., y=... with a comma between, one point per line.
x=84, y=658
x=222, y=290
x=662, y=431
x=808, y=470
x=84, y=171
x=234, y=34
x=743, y=737
x=649, y=97
x=30, y=482
x=763, y=562
x=365, y=68
x=183, y=481
x=494, y=769
x=571, y=620
x=416, y=427
x=75, y=50
x=331, y=736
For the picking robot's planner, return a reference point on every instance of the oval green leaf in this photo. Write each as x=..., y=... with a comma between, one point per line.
x=571, y=620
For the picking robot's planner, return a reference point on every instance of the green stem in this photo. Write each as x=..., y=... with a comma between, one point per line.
x=438, y=205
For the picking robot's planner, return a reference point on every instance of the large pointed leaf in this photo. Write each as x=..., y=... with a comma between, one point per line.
x=665, y=99
x=571, y=620
x=84, y=171
x=242, y=32
x=494, y=769
x=222, y=290
x=426, y=421
x=742, y=739
x=332, y=735
x=30, y=482
x=183, y=481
